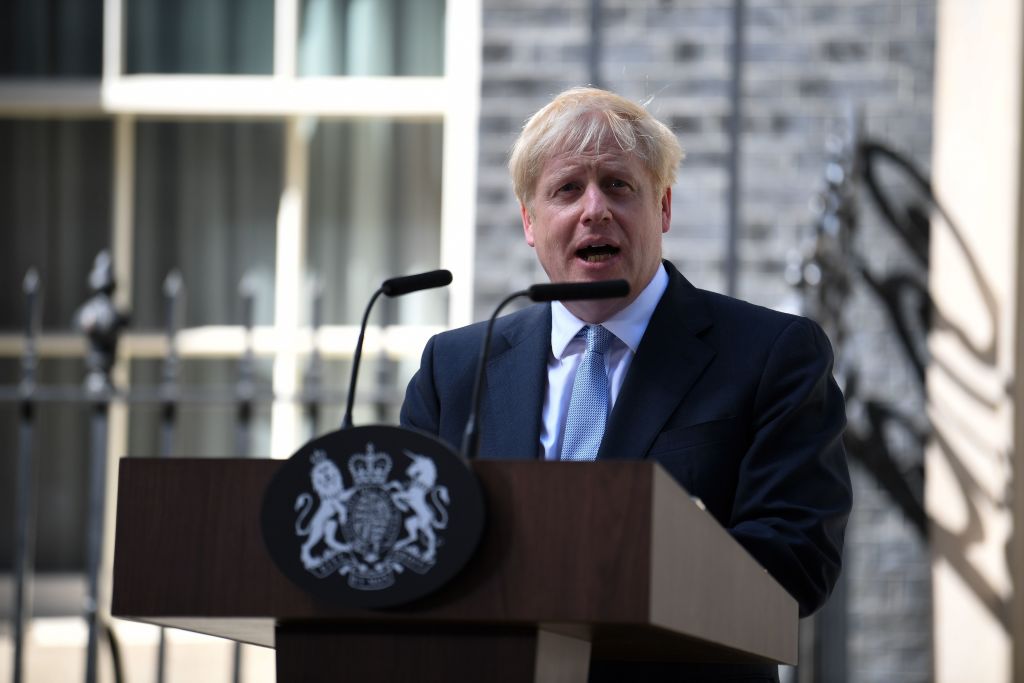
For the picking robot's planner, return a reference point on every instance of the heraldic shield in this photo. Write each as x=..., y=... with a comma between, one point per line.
x=372, y=516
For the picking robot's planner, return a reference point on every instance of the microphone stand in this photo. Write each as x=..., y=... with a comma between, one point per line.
x=396, y=286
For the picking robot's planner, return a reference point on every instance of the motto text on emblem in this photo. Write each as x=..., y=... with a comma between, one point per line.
x=377, y=527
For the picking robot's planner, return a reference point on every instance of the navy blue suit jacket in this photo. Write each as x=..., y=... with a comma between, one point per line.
x=736, y=401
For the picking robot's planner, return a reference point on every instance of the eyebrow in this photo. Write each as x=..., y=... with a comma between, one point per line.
x=605, y=168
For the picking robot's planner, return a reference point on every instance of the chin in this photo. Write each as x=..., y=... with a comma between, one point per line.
x=598, y=271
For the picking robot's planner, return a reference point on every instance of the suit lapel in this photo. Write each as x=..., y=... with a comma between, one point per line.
x=517, y=384
x=668, y=361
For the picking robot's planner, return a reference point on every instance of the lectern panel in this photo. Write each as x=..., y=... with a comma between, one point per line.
x=578, y=549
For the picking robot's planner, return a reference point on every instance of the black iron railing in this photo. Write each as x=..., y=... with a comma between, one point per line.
x=103, y=325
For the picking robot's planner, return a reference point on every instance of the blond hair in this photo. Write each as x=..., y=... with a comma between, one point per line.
x=582, y=117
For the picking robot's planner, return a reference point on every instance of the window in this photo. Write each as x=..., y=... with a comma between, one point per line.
x=371, y=38
x=199, y=36
x=56, y=39
x=55, y=211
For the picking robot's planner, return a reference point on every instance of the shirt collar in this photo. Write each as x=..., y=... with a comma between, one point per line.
x=628, y=325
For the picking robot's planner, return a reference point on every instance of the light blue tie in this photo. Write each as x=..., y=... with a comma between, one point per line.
x=588, y=406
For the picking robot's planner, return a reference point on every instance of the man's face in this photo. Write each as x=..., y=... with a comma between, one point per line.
x=598, y=216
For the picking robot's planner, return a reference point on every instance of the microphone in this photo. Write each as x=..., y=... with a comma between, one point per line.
x=396, y=286
x=556, y=291
x=578, y=291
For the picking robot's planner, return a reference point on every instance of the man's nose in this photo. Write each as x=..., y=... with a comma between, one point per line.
x=595, y=205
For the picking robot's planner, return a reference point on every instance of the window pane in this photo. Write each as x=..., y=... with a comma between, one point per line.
x=55, y=38
x=372, y=38
x=55, y=185
x=207, y=418
x=206, y=203
x=200, y=36
x=375, y=212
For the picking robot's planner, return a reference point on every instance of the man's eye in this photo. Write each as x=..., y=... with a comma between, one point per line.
x=617, y=183
x=568, y=187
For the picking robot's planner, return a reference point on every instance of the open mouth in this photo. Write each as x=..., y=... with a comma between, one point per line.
x=596, y=253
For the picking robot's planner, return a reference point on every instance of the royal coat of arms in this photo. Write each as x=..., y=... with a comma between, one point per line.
x=377, y=527
x=372, y=517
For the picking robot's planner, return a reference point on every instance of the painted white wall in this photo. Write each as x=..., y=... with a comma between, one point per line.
x=975, y=281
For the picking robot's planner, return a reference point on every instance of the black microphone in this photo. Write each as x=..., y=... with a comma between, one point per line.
x=559, y=291
x=578, y=291
x=396, y=286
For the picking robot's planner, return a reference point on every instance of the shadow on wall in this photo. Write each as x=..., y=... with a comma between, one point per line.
x=881, y=429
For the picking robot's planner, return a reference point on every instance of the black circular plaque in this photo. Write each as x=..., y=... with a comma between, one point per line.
x=372, y=516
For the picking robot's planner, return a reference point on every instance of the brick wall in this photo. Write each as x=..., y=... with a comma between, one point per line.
x=809, y=63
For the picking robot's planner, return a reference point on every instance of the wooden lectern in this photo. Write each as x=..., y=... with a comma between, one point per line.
x=610, y=560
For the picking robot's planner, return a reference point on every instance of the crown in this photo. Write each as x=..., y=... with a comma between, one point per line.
x=369, y=467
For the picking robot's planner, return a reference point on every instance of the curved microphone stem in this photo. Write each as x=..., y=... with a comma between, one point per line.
x=471, y=438
x=346, y=421
x=396, y=286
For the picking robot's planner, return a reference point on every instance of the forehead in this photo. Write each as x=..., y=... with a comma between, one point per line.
x=604, y=156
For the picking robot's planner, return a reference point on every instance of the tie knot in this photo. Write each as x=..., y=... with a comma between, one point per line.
x=598, y=338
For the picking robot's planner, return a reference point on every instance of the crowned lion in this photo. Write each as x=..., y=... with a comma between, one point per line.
x=329, y=516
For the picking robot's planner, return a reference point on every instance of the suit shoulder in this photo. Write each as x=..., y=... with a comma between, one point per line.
x=508, y=326
x=764, y=328
x=729, y=310
x=461, y=335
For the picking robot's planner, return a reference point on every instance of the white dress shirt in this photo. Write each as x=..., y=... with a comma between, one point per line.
x=627, y=327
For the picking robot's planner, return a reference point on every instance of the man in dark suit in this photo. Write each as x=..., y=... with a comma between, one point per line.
x=736, y=401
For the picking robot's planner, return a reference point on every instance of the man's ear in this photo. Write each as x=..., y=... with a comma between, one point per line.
x=527, y=223
x=666, y=210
